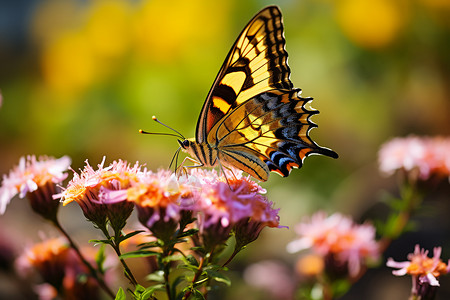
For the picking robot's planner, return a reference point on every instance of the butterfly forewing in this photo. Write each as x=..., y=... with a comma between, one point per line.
x=256, y=63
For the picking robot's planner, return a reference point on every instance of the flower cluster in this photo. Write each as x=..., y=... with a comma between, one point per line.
x=60, y=269
x=342, y=243
x=200, y=211
x=425, y=156
x=424, y=270
x=37, y=179
x=161, y=200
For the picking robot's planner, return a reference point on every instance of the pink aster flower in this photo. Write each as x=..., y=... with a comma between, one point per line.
x=48, y=258
x=426, y=156
x=60, y=267
x=37, y=179
x=273, y=277
x=91, y=189
x=345, y=246
x=159, y=200
x=424, y=270
x=234, y=201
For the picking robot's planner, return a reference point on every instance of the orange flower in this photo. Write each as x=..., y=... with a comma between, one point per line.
x=49, y=258
x=424, y=270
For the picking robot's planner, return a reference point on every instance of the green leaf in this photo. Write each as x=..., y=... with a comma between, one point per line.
x=120, y=295
x=173, y=242
x=107, y=242
x=190, y=259
x=340, y=287
x=197, y=295
x=155, y=244
x=178, y=280
x=201, y=281
x=174, y=257
x=219, y=277
x=142, y=293
x=157, y=276
x=189, y=232
x=139, y=253
x=129, y=235
x=199, y=250
x=188, y=267
x=100, y=259
x=213, y=267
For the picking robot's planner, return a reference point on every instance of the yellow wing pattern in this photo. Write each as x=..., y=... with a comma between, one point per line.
x=257, y=62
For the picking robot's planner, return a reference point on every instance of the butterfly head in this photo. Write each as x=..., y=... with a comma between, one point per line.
x=191, y=147
x=185, y=144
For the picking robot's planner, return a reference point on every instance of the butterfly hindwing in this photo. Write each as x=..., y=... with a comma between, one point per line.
x=273, y=128
x=256, y=63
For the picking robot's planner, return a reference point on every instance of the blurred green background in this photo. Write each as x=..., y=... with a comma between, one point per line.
x=80, y=78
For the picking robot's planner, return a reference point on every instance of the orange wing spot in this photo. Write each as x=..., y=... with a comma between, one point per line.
x=291, y=165
x=279, y=172
x=303, y=153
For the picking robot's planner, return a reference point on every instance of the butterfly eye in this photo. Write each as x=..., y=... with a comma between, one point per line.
x=185, y=144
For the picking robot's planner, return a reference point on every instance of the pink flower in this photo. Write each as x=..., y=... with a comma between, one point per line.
x=229, y=202
x=425, y=271
x=91, y=189
x=157, y=191
x=60, y=267
x=48, y=258
x=273, y=277
x=338, y=238
x=32, y=174
x=426, y=155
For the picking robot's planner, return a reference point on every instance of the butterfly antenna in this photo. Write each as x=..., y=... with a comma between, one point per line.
x=175, y=158
x=179, y=134
x=158, y=133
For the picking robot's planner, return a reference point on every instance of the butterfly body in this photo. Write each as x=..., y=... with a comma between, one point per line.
x=253, y=118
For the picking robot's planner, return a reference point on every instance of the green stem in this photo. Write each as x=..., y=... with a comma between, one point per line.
x=116, y=247
x=91, y=269
x=236, y=251
x=411, y=199
x=196, y=277
x=166, y=281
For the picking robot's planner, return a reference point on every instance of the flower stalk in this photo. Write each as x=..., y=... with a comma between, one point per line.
x=92, y=270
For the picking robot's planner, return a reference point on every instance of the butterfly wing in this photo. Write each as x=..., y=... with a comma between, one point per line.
x=256, y=63
x=269, y=132
x=252, y=114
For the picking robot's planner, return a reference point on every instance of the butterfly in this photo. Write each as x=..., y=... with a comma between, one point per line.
x=253, y=118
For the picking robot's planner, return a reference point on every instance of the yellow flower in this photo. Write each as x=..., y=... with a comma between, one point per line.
x=107, y=28
x=164, y=33
x=68, y=63
x=371, y=24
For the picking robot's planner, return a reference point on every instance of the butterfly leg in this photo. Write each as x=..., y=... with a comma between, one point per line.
x=222, y=168
x=183, y=169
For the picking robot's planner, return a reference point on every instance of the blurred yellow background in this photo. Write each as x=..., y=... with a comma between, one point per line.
x=80, y=78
